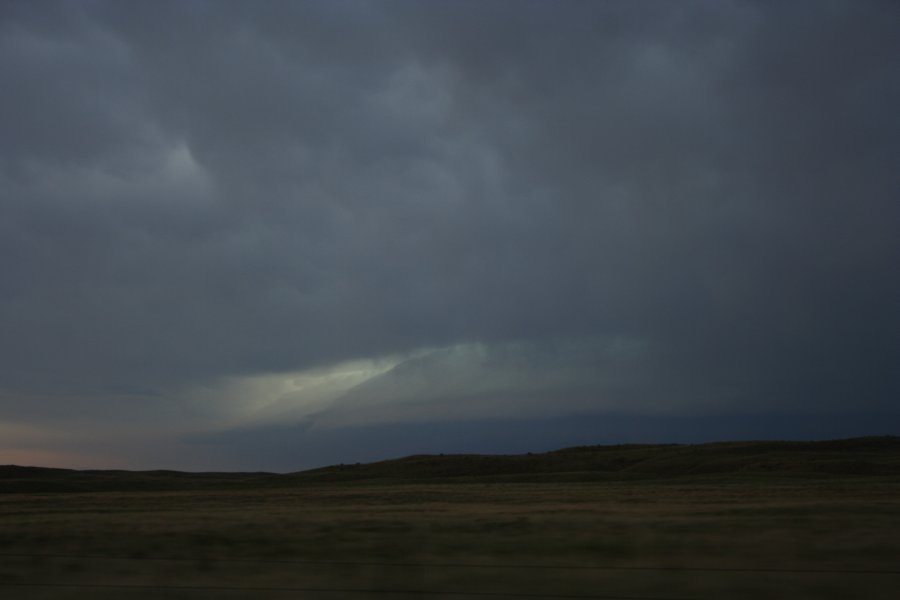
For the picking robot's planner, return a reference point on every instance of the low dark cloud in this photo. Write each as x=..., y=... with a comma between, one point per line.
x=292, y=447
x=656, y=207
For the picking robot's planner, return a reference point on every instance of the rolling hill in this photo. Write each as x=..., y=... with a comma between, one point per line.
x=857, y=457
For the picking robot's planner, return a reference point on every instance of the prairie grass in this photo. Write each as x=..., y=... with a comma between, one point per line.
x=579, y=538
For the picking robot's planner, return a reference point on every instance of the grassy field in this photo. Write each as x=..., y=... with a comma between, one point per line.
x=705, y=536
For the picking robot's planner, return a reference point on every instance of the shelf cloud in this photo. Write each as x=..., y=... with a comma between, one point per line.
x=223, y=221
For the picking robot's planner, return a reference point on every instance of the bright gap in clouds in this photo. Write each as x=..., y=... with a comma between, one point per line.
x=279, y=397
x=463, y=381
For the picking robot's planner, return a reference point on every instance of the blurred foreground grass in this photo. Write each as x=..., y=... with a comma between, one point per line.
x=462, y=537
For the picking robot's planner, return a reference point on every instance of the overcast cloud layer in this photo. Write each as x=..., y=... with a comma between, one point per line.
x=281, y=234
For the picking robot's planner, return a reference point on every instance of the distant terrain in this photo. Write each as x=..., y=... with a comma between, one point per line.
x=735, y=520
x=739, y=461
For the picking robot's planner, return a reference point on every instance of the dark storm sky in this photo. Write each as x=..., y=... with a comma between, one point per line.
x=280, y=234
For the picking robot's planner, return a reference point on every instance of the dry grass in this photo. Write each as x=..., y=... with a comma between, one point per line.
x=205, y=538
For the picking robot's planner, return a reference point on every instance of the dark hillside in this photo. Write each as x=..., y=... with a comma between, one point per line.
x=37, y=479
x=872, y=456
x=852, y=457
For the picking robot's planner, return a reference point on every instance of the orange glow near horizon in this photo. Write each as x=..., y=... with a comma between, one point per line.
x=36, y=457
